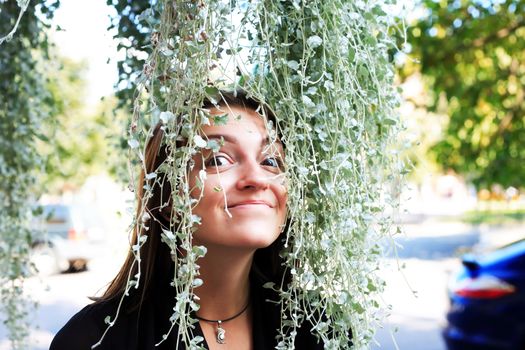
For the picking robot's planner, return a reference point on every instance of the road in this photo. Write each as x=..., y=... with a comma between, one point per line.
x=60, y=297
x=417, y=295
x=416, y=283
x=416, y=292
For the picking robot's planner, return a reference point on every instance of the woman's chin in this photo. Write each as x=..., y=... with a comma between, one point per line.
x=240, y=240
x=254, y=236
x=253, y=242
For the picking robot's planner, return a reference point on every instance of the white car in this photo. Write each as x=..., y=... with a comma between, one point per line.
x=64, y=238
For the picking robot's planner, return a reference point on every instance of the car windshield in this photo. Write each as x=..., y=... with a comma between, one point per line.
x=507, y=251
x=511, y=244
x=55, y=214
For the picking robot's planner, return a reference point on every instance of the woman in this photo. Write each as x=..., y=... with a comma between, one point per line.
x=243, y=217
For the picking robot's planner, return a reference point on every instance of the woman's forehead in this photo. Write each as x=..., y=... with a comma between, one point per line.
x=240, y=125
x=235, y=111
x=236, y=121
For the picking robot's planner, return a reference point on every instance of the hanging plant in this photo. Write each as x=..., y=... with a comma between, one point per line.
x=323, y=67
x=328, y=75
x=24, y=106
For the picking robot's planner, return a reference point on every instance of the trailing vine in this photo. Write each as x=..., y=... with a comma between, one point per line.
x=22, y=4
x=328, y=75
x=24, y=105
x=323, y=66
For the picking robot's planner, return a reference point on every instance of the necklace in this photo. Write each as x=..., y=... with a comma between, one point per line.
x=220, y=335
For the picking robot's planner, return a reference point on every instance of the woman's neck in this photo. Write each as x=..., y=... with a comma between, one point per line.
x=226, y=288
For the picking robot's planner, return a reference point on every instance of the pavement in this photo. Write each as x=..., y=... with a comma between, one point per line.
x=416, y=292
x=60, y=296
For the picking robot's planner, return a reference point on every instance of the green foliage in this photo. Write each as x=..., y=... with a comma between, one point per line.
x=133, y=24
x=472, y=56
x=22, y=4
x=24, y=105
x=496, y=217
x=324, y=67
x=329, y=78
x=79, y=141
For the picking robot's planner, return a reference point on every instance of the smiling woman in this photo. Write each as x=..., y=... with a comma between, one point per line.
x=240, y=196
x=251, y=201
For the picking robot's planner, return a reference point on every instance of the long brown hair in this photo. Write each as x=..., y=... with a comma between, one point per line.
x=156, y=262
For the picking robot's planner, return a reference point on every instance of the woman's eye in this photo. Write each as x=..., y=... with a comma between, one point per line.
x=273, y=162
x=218, y=160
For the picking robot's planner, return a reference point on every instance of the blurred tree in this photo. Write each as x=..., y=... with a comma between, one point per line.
x=132, y=24
x=472, y=57
x=47, y=139
x=79, y=141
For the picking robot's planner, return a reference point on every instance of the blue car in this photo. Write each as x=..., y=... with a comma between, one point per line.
x=487, y=302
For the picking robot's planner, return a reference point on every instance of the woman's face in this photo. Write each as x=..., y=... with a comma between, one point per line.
x=244, y=195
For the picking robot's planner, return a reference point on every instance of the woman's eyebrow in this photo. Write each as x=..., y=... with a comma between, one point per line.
x=227, y=138
x=232, y=139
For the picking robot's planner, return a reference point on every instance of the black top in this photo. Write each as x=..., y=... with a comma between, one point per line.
x=142, y=328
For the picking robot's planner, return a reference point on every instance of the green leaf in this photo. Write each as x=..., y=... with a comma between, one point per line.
x=220, y=119
x=314, y=41
x=293, y=64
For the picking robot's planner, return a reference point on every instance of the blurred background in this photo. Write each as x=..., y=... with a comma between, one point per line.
x=461, y=72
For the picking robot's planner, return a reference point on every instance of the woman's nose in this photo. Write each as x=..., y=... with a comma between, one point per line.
x=252, y=176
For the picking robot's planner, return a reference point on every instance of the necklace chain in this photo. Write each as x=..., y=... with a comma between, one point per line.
x=226, y=319
x=220, y=336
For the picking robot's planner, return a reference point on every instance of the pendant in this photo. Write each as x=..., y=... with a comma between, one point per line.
x=221, y=334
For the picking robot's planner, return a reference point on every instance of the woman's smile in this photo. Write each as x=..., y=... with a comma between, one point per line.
x=250, y=204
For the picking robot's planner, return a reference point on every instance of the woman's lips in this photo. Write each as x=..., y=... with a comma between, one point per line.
x=250, y=205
